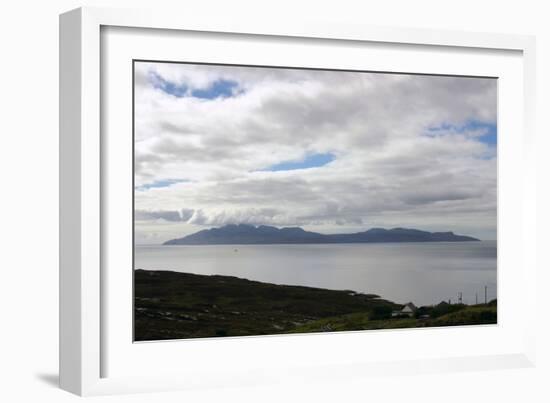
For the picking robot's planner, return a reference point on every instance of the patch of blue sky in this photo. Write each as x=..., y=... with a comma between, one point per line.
x=166, y=86
x=488, y=130
x=218, y=89
x=159, y=184
x=310, y=161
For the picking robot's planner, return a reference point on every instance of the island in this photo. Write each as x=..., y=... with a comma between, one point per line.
x=171, y=305
x=245, y=234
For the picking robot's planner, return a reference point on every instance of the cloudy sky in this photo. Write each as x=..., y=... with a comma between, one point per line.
x=329, y=151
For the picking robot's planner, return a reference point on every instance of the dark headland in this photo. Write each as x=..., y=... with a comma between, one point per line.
x=170, y=305
x=244, y=234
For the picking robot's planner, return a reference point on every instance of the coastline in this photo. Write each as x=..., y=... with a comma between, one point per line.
x=174, y=305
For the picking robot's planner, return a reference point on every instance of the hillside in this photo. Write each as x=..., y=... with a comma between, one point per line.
x=171, y=305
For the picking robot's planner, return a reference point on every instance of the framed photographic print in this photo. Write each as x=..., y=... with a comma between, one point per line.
x=279, y=200
x=236, y=199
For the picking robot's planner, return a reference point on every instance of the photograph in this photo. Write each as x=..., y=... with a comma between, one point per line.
x=276, y=200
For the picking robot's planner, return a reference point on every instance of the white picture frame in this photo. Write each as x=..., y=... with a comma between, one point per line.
x=85, y=346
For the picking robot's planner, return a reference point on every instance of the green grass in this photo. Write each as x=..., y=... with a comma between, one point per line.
x=354, y=321
x=479, y=315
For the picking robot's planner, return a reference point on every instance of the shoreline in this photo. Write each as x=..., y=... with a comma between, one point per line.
x=175, y=305
x=236, y=245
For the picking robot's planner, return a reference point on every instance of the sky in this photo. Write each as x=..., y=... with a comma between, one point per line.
x=329, y=151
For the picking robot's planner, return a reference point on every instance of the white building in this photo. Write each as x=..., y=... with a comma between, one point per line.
x=408, y=309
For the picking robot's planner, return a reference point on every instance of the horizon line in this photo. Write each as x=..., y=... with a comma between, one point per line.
x=161, y=242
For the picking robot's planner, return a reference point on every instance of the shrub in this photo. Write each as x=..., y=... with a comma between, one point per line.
x=381, y=312
x=422, y=311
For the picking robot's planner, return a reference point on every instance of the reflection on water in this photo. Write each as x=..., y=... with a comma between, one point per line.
x=424, y=273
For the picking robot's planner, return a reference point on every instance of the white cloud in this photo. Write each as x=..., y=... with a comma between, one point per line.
x=389, y=170
x=163, y=215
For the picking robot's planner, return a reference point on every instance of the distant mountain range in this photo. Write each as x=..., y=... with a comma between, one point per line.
x=244, y=234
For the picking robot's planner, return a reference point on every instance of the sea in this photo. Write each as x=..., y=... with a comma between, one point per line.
x=423, y=273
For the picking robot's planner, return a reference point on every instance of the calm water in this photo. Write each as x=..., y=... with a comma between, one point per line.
x=424, y=273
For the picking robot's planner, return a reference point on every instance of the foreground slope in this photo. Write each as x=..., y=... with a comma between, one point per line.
x=170, y=305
